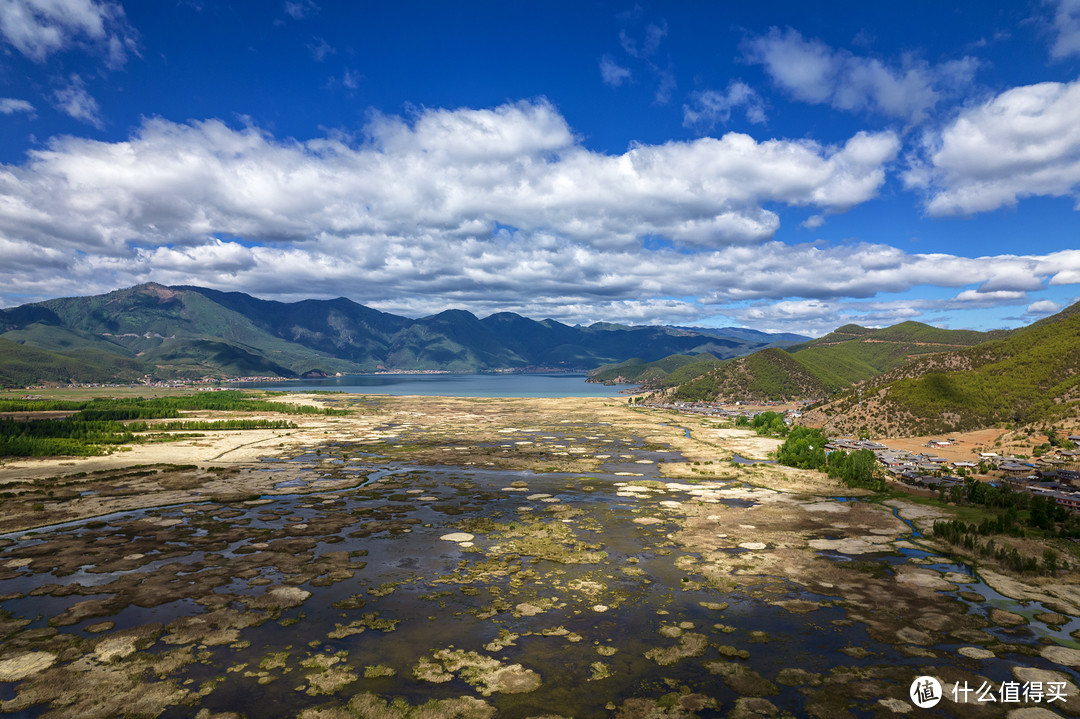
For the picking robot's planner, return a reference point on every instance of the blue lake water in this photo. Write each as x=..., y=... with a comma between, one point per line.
x=555, y=384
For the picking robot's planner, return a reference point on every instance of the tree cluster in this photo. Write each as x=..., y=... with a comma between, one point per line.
x=805, y=448
x=767, y=424
x=955, y=531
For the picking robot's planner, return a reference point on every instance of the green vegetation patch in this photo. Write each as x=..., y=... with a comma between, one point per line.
x=655, y=374
x=805, y=448
x=101, y=422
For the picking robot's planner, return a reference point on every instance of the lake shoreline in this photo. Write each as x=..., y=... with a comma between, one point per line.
x=551, y=385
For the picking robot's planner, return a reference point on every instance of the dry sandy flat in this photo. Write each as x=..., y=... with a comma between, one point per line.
x=744, y=442
x=224, y=447
x=229, y=447
x=967, y=447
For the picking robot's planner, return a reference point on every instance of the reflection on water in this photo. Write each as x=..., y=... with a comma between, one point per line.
x=540, y=384
x=739, y=459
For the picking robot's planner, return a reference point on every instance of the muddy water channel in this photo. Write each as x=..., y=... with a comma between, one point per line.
x=488, y=592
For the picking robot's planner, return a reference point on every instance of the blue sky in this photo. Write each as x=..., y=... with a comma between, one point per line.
x=756, y=164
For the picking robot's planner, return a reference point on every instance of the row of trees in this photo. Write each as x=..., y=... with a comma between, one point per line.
x=1043, y=513
x=128, y=408
x=99, y=423
x=23, y=446
x=76, y=437
x=200, y=425
x=965, y=535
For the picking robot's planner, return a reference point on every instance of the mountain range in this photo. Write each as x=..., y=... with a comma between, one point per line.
x=171, y=332
x=907, y=379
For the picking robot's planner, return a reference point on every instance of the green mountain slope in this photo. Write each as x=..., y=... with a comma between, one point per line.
x=688, y=372
x=22, y=365
x=169, y=328
x=340, y=328
x=1029, y=375
x=453, y=340
x=774, y=339
x=771, y=374
x=195, y=357
x=649, y=374
x=843, y=363
x=821, y=367
x=61, y=339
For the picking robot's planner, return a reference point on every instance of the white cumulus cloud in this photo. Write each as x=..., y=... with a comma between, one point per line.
x=990, y=299
x=1066, y=29
x=9, y=106
x=813, y=72
x=1043, y=307
x=1021, y=143
x=447, y=173
x=39, y=28
x=708, y=108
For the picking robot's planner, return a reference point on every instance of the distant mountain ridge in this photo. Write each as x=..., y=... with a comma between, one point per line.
x=187, y=331
x=776, y=339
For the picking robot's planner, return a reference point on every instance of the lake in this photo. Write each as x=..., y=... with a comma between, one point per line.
x=552, y=384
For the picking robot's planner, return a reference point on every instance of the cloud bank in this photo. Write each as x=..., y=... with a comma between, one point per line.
x=447, y=174
x=495, y=209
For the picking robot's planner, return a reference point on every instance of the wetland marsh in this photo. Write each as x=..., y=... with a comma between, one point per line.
x=464, y=557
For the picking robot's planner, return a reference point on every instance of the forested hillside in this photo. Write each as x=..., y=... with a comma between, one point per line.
x=1031, y=375
x=822, y=367
x=652, y=374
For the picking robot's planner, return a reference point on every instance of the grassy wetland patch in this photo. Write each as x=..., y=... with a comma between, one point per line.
x=445, y=557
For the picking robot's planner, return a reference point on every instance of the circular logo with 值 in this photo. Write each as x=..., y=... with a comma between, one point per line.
x=925, y=692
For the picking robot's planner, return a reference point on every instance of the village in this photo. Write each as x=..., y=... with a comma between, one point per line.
x=1054, y=475
x=937, y=464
